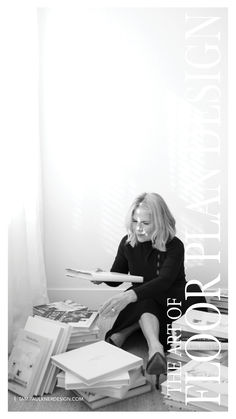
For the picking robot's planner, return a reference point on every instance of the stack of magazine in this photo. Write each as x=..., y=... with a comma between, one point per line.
x=82, y=320
x=101, y=374
x=30, y=370
x=197, y=334
x=201, y=386
x=198, y=357
x=222, y=302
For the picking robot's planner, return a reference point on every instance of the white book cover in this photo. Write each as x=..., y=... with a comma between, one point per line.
x=197, y=321
x=118, y=392
x=94, y=329
x=95, y=362
x=91, y=394
x=62, y=347
x=180, y=396
x=26, y=361
x=83, y=321
x=51, y=331
x=61, y=379
x=59, y=346
x=201, y=345
x=100, y=401
x=212, y=376
x=181, y=355
x=83, y=338
x=103, y=276
x=195, y=378
x=73, y=382
x=64, y=306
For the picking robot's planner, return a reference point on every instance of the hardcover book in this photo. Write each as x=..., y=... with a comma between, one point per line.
x=118, y=392
x=56, y=333
x=196, y=321
x=201, y=384
x=97, y=401
x=25, y=362
x=67, y=311
x=51, y=379
x=95, y=362
x=103, y=276
x=60, y=306
x=73, y=382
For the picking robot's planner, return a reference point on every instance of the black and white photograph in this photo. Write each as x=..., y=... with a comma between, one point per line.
x=118, y=123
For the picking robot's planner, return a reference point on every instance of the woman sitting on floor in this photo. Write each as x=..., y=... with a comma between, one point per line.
x=152, y=250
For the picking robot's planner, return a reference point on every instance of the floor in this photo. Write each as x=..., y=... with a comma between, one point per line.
x=61, y=400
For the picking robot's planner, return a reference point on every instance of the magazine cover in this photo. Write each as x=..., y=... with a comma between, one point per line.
x=120, y=139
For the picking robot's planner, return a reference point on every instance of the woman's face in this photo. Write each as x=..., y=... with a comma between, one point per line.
x=142, y=224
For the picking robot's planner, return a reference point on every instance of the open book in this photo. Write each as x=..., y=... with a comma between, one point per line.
x=102, y=276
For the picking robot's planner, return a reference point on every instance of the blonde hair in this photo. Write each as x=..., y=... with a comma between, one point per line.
x=163, y=220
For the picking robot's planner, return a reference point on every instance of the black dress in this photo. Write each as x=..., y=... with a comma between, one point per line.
x=164, y=277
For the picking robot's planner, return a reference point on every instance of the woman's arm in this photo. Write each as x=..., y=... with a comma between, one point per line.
x=168, y=273
x=120, y=263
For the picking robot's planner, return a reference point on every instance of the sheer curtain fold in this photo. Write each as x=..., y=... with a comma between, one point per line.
x=26, y=269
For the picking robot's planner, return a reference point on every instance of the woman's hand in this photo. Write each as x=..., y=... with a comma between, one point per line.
x=116, y=304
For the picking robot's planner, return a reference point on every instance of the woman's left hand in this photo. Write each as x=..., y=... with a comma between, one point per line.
x=114, y=305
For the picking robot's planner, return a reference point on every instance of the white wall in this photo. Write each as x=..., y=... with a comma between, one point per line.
x=130, y=101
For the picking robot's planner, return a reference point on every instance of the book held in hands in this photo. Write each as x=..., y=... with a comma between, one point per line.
x=102, y=276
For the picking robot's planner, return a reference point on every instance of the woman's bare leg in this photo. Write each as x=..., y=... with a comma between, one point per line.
x=120, y=337
x=150, y=327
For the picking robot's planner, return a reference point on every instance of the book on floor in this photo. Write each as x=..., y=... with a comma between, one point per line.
x=58, y=307
x=69, y=381
x=51, y=378
x=184, y=357
x=26, y=361
x=73, y=382
x=117, y=392
x=179, y=398
x=201, y=384
x=196, y=322
x=95, y=401
x=67, y=311
x=105, y=388
x=97, y=361
x=102, y=276
x=198, y=343
x=83, y=320
x=58, y=334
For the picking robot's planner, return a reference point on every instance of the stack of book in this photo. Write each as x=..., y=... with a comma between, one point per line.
x=30, y=370
x=101, y=374
x=201, y=386
x=83, y=336
x=184, y=357
x=199, y=349
x=82, y=320
x=193, y=336
x=222, y=302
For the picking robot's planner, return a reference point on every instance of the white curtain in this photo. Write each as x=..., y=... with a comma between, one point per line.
x=27, y=279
